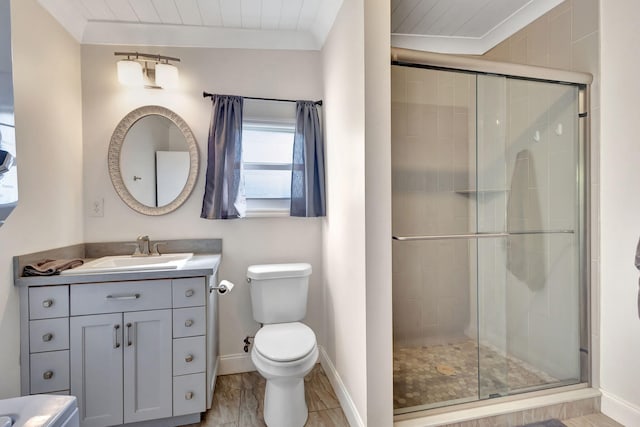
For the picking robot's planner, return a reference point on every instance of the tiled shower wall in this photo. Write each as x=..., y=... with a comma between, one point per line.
x=567, y=37
x=527, y=284
x=433, y=166
x=526, y=154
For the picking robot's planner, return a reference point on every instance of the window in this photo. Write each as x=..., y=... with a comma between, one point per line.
x=267, y=153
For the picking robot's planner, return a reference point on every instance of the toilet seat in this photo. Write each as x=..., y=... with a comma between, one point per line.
x=285, y=342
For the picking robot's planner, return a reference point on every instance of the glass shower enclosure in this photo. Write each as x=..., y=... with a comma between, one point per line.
x=489, y=289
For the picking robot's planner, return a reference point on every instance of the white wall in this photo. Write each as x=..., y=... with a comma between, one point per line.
x=280, y=74
x=344, y=228
x=377, y=15
x=46, y=73
x=357, y=230
x=620, y=226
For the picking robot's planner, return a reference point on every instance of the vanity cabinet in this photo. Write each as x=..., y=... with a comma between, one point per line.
x=48, y=337
x=132, y=352
x=121, y=367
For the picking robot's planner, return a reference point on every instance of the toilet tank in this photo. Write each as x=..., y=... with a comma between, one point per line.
x=279, y=292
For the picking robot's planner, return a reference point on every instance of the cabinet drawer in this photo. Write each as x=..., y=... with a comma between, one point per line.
x=189, y=292
x=49, y=371
x=189, y=322
x=189, y=356
x=46, y=302
x=189, y=394
x=48, y=335
x=121, y=296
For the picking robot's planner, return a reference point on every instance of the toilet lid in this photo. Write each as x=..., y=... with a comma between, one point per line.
x=284, y=342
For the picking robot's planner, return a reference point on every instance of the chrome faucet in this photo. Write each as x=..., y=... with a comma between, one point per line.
x=143, y=246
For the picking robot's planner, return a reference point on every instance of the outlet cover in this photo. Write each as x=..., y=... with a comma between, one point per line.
x=96, y=208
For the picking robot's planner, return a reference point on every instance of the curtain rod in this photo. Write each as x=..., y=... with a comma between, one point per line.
x=210, y=95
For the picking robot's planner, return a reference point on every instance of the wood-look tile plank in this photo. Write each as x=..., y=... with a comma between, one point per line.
x=238, y=401
x=318, y=391
x=250, y=380
x=327, y=418
x=225, y=408
x=593, y=420
x=229, y=382
x=251, y=408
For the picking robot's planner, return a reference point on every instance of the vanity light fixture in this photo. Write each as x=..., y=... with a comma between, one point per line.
x=151, y=71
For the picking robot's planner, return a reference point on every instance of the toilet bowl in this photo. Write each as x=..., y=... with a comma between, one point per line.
x=283, y=354
x=284, y=349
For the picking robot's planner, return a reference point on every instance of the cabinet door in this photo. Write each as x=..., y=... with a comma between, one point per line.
x=96, y=368
x=147, y=365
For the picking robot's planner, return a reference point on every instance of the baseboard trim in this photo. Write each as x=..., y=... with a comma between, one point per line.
x=620, y=410
x=348, y=406
x=235, y=364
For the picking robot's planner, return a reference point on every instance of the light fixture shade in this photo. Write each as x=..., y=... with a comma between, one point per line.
x=167, y=76
x=130, y=73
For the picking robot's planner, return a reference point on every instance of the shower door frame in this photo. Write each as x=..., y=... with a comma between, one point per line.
x=443, y=62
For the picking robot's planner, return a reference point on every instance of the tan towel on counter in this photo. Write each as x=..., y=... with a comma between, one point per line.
x=50, y=267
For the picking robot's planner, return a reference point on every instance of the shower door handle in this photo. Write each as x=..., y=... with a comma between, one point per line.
x=480, y=235
x=450, y=236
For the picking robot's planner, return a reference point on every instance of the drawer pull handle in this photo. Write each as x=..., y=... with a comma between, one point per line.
x=116, y=344
x=47, y=303
x=47, y=337
x=188, y=323
x=189, y=358
x=122, y=297
x=47, y=375
x=188, y=395
x=189, y=293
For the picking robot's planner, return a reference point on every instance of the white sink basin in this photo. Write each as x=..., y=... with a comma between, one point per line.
x=119, y=263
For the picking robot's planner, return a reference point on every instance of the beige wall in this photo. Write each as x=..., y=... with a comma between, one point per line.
x=620, y=173
x=46, y=73
x=344, y=235
x=278, y=74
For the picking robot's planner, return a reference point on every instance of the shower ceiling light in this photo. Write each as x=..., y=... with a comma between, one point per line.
x=155, y=69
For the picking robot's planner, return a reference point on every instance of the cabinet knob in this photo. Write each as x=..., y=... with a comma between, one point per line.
x=47, y=337
x=47, y=375
x=189, y=358
x=189, y=293
x=188, y=323
x=188, y=395
x=47, y=303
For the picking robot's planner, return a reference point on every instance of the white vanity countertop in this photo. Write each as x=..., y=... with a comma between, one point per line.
x=198, y=265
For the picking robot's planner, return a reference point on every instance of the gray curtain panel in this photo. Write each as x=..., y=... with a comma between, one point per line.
x=224, y=188
x=307, y=176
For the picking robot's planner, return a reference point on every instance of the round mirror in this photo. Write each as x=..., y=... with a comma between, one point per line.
x=153, y=160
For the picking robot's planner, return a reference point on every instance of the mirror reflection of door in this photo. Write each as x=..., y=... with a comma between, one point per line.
x=154, y=161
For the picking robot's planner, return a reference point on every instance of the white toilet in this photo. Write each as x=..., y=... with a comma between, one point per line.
x=284, y=350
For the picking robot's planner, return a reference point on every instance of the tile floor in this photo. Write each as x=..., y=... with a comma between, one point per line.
x=593, y=420
x=438, y=375
x=238, y=402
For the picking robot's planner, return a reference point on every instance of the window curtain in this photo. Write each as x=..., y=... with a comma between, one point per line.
x=224, y=189
x=307, y=176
